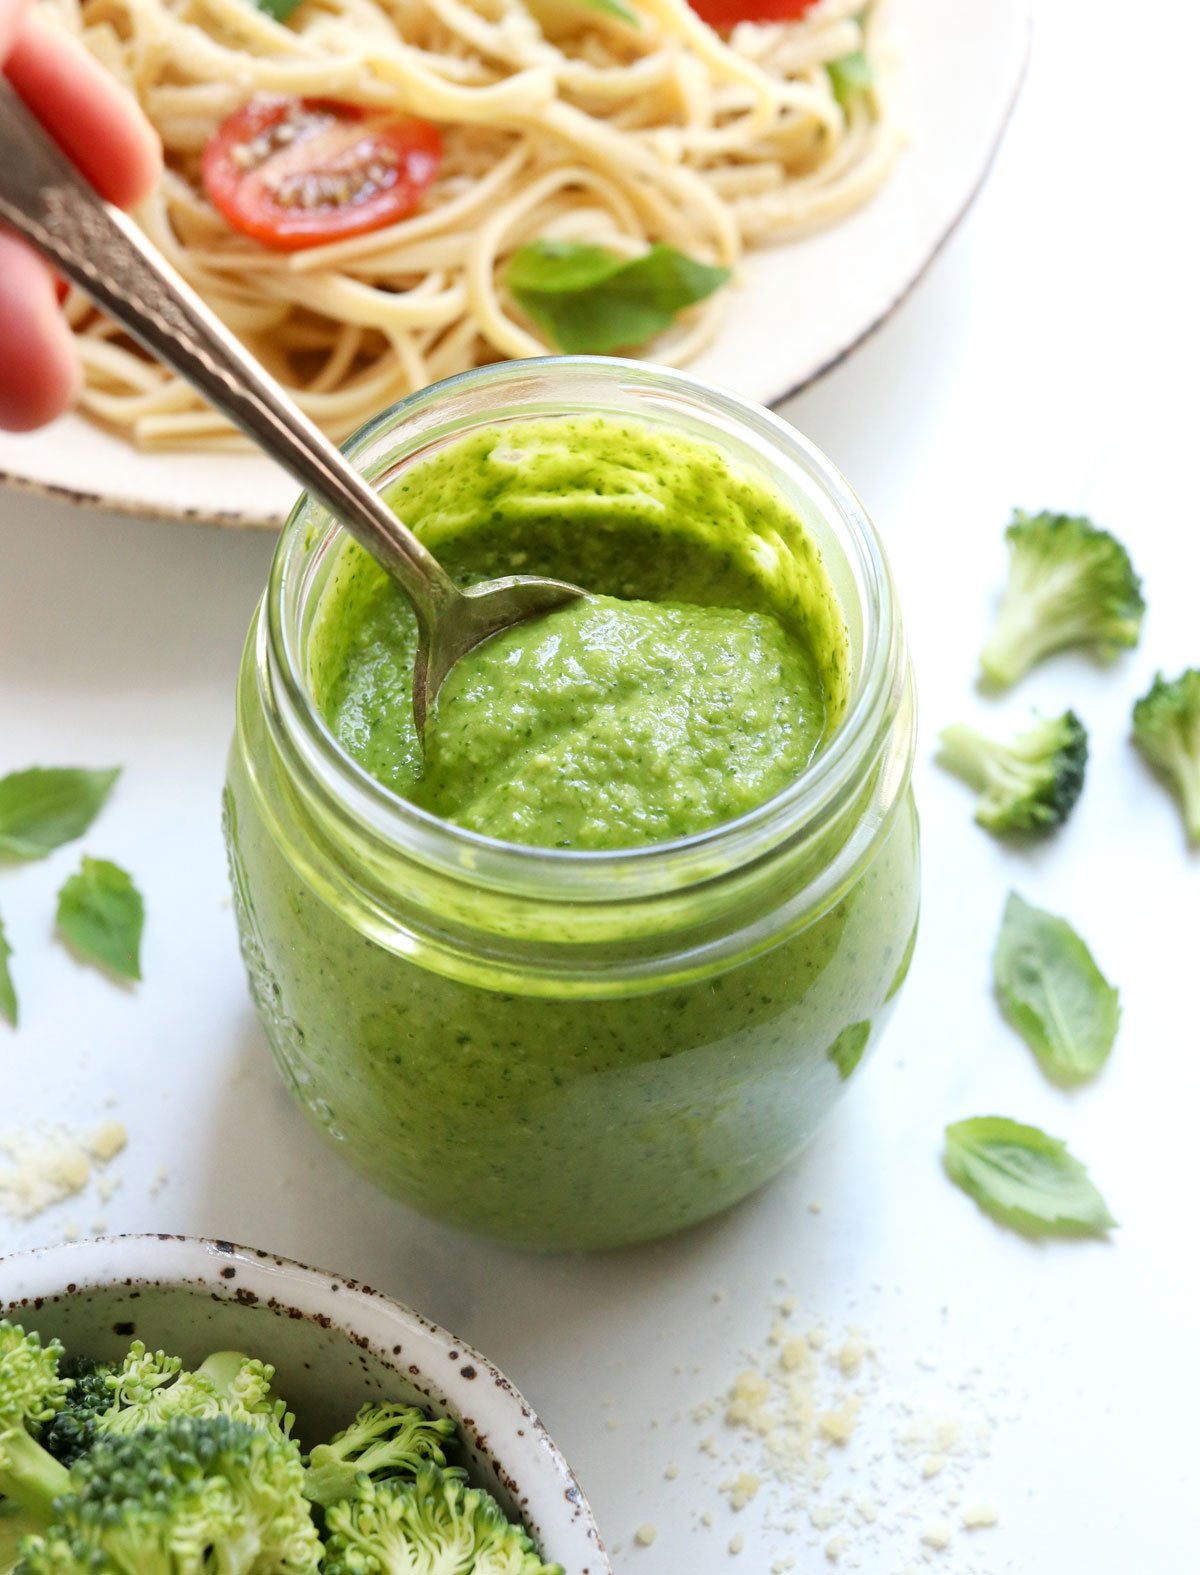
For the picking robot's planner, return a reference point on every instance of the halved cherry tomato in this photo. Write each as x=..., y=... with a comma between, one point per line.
x=297, y=172
x=724, y=14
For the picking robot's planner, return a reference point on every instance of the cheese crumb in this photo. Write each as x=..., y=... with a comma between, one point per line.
x=932, y=1465
x=644, y=1536
x=42, y=1175
x=938, y=1535
x=977, y=1517
x=671, y=1472
x=838, y=1426
x=794, y=1354
x=850, y=1357
x=743, y=1489
x=107, y=1141
x=47, y=1167
x=737, y=1542
x=834, y=1549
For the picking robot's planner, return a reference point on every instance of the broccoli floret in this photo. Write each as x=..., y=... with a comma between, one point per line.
x=1166, y=728
x=1069, y=583
x=435, y=1525
x=71, y=1432
x=383, y=1441
x=1031, y=782
x=242, y=1386
x=32, y=1391
x=197, y=1496
x=149, y=1387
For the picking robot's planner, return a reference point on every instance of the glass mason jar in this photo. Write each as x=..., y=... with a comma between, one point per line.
x=564, y=1048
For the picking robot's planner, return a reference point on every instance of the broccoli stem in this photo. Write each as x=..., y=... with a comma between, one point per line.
x=29, y=1476
x=1184, y=766
x=1017, y=642
x=966, y=752
x=221, y=1369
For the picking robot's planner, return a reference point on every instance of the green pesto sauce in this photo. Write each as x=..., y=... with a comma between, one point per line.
x=695, y=683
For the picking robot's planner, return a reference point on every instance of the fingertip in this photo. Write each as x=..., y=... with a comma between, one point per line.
x=42, y=376
x=90, y=114
x=12, y=14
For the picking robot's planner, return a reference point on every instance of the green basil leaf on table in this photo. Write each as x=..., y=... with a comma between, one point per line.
x=8, y=993
x=1024, y=1178
x=589, y=300
x=42, y=808
x=850, y=76
x=1053, y=993
x=100, y=915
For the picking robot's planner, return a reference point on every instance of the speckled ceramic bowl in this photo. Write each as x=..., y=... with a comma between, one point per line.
x=334, y=1344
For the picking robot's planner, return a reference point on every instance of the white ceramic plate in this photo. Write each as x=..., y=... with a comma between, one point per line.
x=801, y=309
x=334, y=1344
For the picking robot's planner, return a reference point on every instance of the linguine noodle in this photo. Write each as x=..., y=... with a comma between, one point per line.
x=558, y=120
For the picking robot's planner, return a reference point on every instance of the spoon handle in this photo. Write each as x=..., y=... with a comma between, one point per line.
x=96, y=247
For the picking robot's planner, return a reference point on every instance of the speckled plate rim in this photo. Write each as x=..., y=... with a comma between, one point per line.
x=115, y=501
x=548, y=1491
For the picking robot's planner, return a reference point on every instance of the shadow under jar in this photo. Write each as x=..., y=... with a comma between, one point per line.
x=572, y=1048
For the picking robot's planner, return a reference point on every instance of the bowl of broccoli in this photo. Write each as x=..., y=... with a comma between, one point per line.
x=171, y=1406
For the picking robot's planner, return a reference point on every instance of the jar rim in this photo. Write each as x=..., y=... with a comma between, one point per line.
x=396, y=825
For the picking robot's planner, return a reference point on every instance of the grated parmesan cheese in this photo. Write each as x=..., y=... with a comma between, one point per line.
x=46, y=1168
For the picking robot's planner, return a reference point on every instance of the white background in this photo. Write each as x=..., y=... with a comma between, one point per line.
x=1047, y=360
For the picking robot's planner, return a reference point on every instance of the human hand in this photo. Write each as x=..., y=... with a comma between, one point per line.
x=102, y=130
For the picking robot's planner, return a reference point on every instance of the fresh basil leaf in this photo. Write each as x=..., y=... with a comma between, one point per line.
x=1024, y=1178
x=41, y=808
x=846, y=1051
x=850, y=76
x=8, y=993
x=589, y=300
x=1053, y=993
x=100, y=914
x=278, y=10
x=613, y=8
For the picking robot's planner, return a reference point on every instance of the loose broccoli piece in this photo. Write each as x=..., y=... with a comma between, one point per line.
x=32, y=1390
x=1069, y=583
x=435, y=1525
x=1166, y=728
x=383, y=1441
x=1029, y=783
x=197, y=1496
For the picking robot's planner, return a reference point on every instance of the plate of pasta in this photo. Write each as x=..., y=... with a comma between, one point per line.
x=376, y=194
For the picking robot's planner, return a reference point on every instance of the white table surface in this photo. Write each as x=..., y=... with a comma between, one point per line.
x=1047, y=360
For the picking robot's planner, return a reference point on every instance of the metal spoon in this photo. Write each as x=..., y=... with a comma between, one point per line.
x=46, y=199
